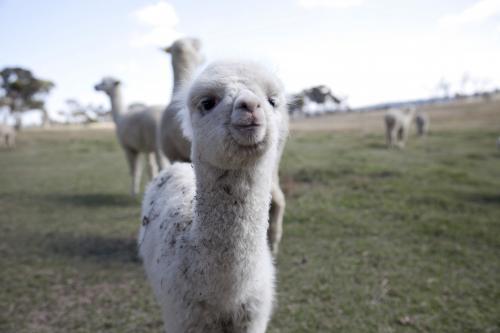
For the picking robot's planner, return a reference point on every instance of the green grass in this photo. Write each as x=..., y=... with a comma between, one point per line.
x=375, y=240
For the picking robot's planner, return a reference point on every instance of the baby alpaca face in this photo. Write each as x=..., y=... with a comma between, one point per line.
x=236, y=112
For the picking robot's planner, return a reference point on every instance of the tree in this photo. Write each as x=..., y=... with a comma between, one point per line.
x=78, y=113
x=22, y=91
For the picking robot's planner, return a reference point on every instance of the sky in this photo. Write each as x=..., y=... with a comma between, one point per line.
x=370, y=51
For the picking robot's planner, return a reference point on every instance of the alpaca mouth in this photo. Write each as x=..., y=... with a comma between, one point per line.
x=249, y=137
x=248, y=129
x=251, y=125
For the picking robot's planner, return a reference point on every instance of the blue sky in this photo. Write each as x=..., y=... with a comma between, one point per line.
x=371, y=51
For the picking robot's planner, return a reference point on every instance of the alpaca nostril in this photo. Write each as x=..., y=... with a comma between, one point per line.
x=248, y=105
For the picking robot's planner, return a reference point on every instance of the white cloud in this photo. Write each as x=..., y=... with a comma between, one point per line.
x=160, y=25
x=479, y=12
x=311, y=4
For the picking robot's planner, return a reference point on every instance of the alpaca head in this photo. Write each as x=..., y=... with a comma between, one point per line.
x=107, y=85
x=410, y=110
x=236, y=113
x=186, y=51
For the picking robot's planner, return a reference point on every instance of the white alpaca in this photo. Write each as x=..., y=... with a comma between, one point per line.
x=186, y=58
x=422, y=121
x=203, y=234
x=397, y=126
x=7, y=136
x=136, y=131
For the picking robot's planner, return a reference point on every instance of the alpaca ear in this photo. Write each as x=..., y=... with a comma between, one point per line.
x=197, y=44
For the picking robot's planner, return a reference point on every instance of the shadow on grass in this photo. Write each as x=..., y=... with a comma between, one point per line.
x=483, y=198
x=94, y=199
x=94, y=247
x=385, y=174
x=377, y=145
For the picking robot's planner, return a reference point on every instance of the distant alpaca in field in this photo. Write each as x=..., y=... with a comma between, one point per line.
x=422, y=121
x=7, y=136
x=186, y=58
x=397, y=126
x=203, y=235
x=136, y=131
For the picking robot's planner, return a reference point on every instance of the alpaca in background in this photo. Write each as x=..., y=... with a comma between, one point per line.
x=136, y=131
x=422, y=121
x=397, y=126
x=7, y=136
x=186, y=58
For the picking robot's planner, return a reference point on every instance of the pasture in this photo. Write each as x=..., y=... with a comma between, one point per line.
x=375, y=240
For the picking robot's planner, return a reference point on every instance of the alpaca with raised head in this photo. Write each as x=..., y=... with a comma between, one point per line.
x=204, y=225
x=136, y=131
x=397, y=126
x=422, y=121
x=186, y=58
x=7, y=136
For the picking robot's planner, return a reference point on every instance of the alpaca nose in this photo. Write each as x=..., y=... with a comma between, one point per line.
x=248, y=102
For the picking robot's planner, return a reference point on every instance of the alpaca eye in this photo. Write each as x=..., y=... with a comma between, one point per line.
x=273, y=101
x=208, y=104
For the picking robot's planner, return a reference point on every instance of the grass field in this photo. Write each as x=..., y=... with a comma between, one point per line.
x=375, y=240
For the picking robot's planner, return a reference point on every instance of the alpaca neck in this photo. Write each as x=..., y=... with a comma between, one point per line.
x=116, y=105
x=231, y=212
x=183, y=71
x=411, y=113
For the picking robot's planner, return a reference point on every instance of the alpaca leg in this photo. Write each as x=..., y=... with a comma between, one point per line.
x=152, y=167
x=399, y=138
x=134, y=164
x=161, y=161
x=276, y=212
x=388, y=137
x=406, y=131
x=137, y=174
x=393, y=137
x=402, y=135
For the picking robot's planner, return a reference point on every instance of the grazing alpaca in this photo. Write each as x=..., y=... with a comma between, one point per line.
x=397, y=126
x=136, y=131
x=186, y=58
x=203, y=235
x=7, y=136
x=422, y=122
